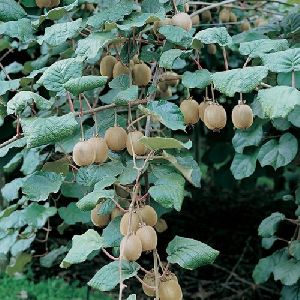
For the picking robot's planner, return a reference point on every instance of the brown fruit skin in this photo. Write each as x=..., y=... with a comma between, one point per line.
x=190, y=111
x=206, y=16
x=133, y=142
x=242, y=116
x=55, y=3
x=161, y=226
x=120, y=69
x=116, y=212
x=182, y=20
x=83, y=154
x=149, y=279
x=202, y=106
x=135, y=221
x=101, y=149
x=259, y=22
x=212, y=49
x=107, y=65
x=43, y=3
x=215, y=117
x=164, y=94
x=195, y=20
x=170, y=78
x=148, y=215
x=245, y=26
x=115, y=138
x=186, y=7
x=224, y=15
x=131, y=246
x=162, y=86
x=148, y=237
x=141, y=74
x=99, y=220
x=232, y=17
x=170, y=290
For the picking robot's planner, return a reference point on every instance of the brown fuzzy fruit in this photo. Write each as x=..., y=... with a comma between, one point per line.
x=141, y=74
x=245, y=26
x=101, y=149
x=89, y=6
x=83, y=154
x=43, y=3
x=232, y=17
x=162, y=86
x=55, y=3
x=99, y=219
x=182, y=20
x=195, y=20
x=224, y=15
x=190, y=111
x=161, y=226
x=115, y=138
x=242, y=116
x=107, y=66
x=131, y=246
x=170, y=290
x=134, y=143
x=206, y=16
x=116, y=212
x=149, y=279
x=170, y=78
x=148, y=215
x=186, y=7
x=120, y=69
x=260, y=21
x=202, y=106
x=165, y=94
x=212, y=49
x=148, y=237
x=135, y=221
x=215, y=117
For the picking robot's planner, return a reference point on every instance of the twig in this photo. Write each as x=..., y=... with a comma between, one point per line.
x=225, y=58
x=156, y=274
x=16, y=137
x=109, y=255
x=135, y=121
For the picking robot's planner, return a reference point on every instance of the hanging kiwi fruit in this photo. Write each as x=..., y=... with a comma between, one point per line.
x=124, y=224
x=245, y=25
x=141, y=74
x=107, y=66
x=215, y=117
x=134, y=143
x=206, y=16
x=43, y=3
x=212, y=49
x=84, y=154
x=186, y=7
x=202, y=106
x=170, y=78
x=232, y=17
x=99, y=220
x=224, y=15
x=148, y=215
x=149, y=279
x=116, y=138
x=169, y=289
x=190, y=111
x=182, y=20
x=120, y=69
x=242, y=116
x=101, y=149
x=161, y=225
x=148, y=237
x=195, y=20
x=131, y=246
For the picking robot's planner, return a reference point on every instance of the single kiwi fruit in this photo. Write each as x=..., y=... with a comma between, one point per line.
x=215, y=117
x=43, y=3
x=162, y=86
x=141, y=74
x=190, y=111
x=242, y=116
x=101, y=149
x=148, y=237
x=182, y=20
x=54, y=3
x=170, y=78
x=186, y=7
x=212, y=49
x=116, y=138
x=84, y=154
x=121, y=192
x=135, y=221
x=89, y=6
x=224, y=15
x=195, y=20
x=245, y=25
x=206, y=16
x=149, y=279
x=134, y=143
x=116, y=212
x=99, y=219
x=202, y=106
x=165, y=94
x=232, y=17
x=161, y=225
x=148, y=215
x=158, y=24
x=107, y=65
x=260, y=21
x=170, y=290
x=131, y=247
x=120, y=69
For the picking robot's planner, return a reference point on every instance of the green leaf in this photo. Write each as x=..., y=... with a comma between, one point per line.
x=46, y=182
x=111, y=233
x=286, y=79
x=24, y=99
x=85, y=83
x=13, y=163
x=108, y=276
x=130, y=173
x=166, y=112
x=293, y=116
x=288, y=272
x=31, y=160
x=82, y=246
x=283, y=61
x=290, y=292
x=132, y=297
x=18, y=265
x=130, y=94
x=169, y=191
x=239, y=80
x=10, y=85
x=216, y=35
x=187, y=166
x=274, y=101
x=269, y=226
x=176, y=35
x=55, y=76
x=121, y=82
x=22, y=244
x=155, y=143
x=190, y=254
x=48, y=260
x=259, y=47
x=243, y=165
x=199, y=79
x=43, y=131
x=278, y=153
x=60, y=32
x=7, y=242
x=11, y=11
x=19, y=143
x=71, y=214
x=150, y=6
x=168, y=57
x=268, y=242
x=10, y=191
x=294, y=249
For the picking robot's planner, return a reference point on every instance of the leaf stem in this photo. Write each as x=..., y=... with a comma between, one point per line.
x=293, y=79
x=225, y=58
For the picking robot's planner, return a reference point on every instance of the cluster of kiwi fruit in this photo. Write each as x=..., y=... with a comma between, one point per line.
x=112, y=68
x=214, y=115
x=205, y=17
x=165, y=83
x=47, y=3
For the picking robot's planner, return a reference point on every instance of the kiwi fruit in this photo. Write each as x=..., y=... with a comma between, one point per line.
x=215, y=117
x=232, y=17
x=161, y=226
x=135, y=221
x=116, y=212
x=141, y=74
x=148, y=237
x=133, y=143
x=164, y=94
x=54, y=3
x=120, y=69
x=99, y=219
x=121, y=192
x=242, y=116
x=170, y=78
x=149, y=279
x=116, y=138
x=136, y=60
x=182, y=20
x=107, y=65
x=245, y=25
x=202, y=106
x=212, y=49
x=260, y=21
x=206, y=16
x=224, y=15
x=190, y=111
x=186, y=7
x=89, y=6
x=43, y=3
x=100, y=148
x=195, y=20
x=158, y=24
x=131, y=246
x=84, y=154
x=170, y=290
x=148, y=215
x=162, y=86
